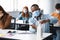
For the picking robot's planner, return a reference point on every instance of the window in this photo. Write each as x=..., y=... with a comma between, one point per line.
x=16, y=5
x=7, y=5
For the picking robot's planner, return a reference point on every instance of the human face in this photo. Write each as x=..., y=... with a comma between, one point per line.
x=58, y=11
x=25, y=10
x=1, y=14
x=32, y=9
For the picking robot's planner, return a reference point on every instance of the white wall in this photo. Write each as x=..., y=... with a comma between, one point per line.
x=47, y=6
x=16, y=5
x=22, y=3
x=7, y=4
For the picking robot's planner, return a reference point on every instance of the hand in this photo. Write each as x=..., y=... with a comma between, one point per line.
x=44, y=21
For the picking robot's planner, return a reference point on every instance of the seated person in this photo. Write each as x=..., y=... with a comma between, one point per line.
x=56, y=14
x=25, y=15
x=45, y=20
x=5, y=19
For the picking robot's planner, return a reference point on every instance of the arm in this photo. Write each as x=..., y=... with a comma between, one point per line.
x=44, y=21
x=19, y=16
x=53, y=19
x=50, y=19
x=31, y=23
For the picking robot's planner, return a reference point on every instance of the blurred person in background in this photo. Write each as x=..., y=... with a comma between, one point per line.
x=56, y=14
x=25, y=15
x=5, y=19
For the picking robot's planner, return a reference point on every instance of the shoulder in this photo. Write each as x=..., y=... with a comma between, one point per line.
x=20, y=14
x=54, y=14
x=30, y=14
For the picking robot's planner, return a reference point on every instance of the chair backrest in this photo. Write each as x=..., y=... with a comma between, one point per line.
x=13, y=23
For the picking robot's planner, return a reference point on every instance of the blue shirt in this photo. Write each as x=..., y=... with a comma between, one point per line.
x=20, y=17
x=46, y=28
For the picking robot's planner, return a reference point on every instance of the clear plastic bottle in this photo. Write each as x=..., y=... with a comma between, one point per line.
x=39, y=32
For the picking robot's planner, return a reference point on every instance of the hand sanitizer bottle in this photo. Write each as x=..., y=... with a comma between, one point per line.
x=39, y=34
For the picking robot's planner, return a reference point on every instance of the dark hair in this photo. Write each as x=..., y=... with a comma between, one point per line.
x=57, y=6
x=4, y=14
x=34, y=5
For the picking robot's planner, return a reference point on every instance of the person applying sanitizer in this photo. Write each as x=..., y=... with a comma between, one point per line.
x=45, y=20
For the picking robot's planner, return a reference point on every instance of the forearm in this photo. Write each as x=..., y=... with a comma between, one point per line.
x=48, y=20
x=44, y=21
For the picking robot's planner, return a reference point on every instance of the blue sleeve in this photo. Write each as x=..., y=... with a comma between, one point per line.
x=19, y=16
x=52, y=19
x=31, y=21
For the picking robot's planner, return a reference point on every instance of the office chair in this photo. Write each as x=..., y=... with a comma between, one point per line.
x=12, y=25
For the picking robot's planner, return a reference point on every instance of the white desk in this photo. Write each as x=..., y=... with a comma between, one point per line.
x=45, y=35
x=18, y=22
x=25, y=36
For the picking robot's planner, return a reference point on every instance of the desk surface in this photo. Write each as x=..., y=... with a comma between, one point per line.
x=45, y=35
x=56, y=25
x=18, y=21
x=26, y=36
